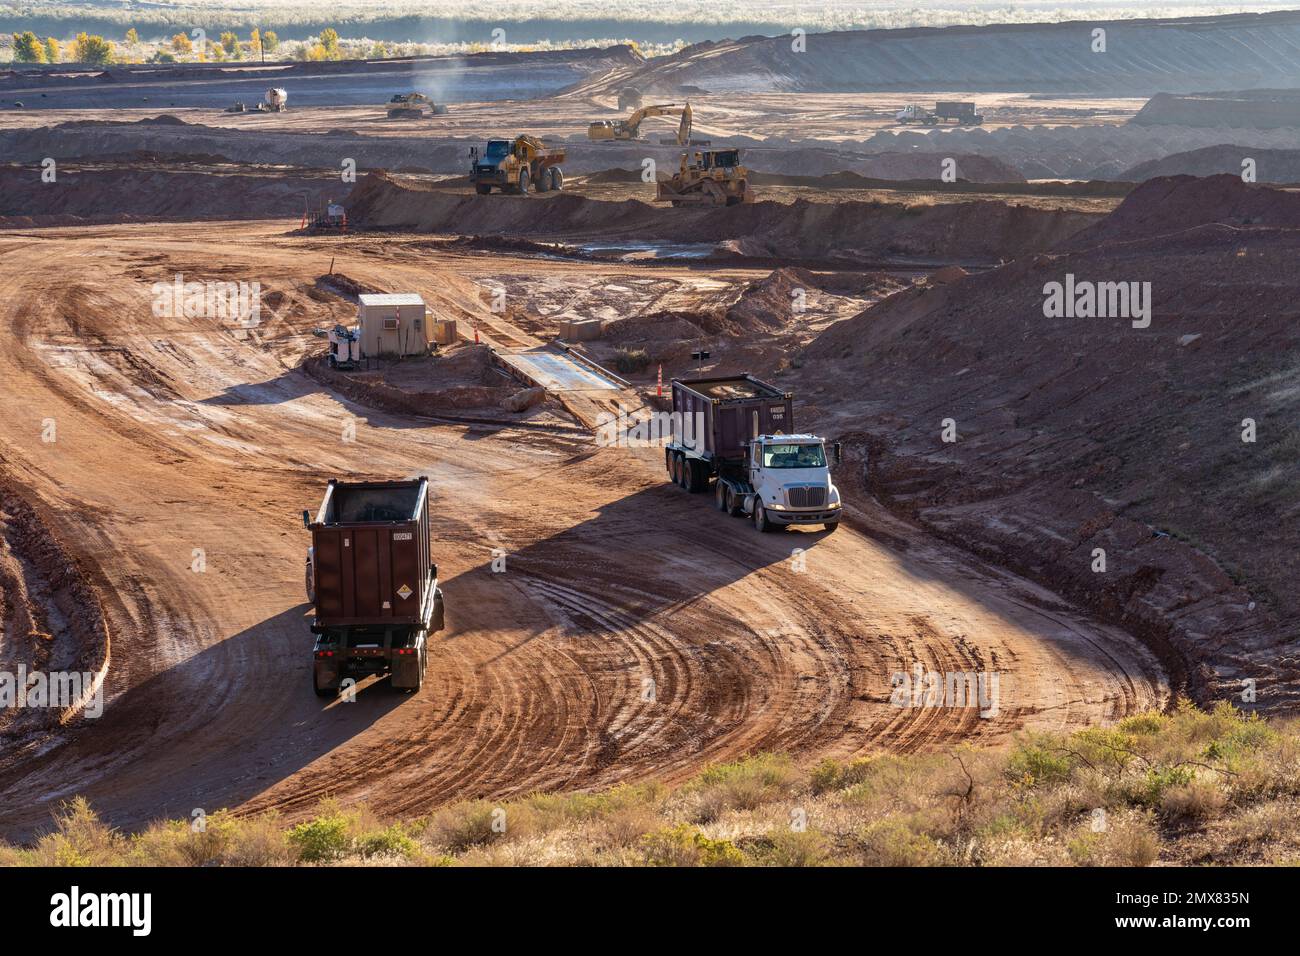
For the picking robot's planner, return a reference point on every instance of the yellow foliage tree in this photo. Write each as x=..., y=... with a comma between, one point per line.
x=94, y=50
x=28, y=48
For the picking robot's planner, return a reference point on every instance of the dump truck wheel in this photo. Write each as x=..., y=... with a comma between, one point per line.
x=760, y=517
x=695, y=480
x=557, y=179
x=321, y=691
x=523, y=181
x=720, y=496
x=482, y=190
x=831, y=525
x=543, y=181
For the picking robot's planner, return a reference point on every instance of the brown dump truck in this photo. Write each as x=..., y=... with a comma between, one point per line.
x=373, y=583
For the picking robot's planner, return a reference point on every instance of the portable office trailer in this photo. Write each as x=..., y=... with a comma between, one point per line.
x=393, y=325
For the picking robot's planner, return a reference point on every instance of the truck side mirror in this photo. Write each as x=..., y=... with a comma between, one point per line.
x=837, y=451
x=306, y=519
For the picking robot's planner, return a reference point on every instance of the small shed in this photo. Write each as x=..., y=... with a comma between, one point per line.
x=393, y=325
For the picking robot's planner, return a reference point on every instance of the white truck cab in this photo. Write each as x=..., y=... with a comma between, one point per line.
x=791, y=482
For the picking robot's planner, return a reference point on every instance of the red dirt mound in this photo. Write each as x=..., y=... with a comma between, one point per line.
x=812, y=232
x=155, y=192
x=1168, y=205
x=1074, y=434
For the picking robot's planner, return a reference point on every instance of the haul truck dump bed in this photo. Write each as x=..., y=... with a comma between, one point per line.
x=373, y=583
x=737, y=433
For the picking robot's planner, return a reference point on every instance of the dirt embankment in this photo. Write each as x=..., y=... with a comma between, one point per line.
x=1270, y=165
x=51, y=621
x=850, y=232
x=149, y=193
x=1080, y=434
x=1242, y=109
x=1142, y=56
x=763, y=308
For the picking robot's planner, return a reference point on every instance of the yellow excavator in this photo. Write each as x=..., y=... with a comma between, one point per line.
x=630, y=128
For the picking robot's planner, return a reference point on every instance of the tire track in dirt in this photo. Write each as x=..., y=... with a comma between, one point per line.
x=189, y=437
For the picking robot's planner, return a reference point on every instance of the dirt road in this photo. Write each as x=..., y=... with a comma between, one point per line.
x=635, y=632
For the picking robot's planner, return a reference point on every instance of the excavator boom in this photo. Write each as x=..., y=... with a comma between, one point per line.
x=630, y=128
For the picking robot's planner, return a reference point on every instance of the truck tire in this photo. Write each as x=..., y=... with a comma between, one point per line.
x=321, y=691
x=760, y=517
x=543, y=181
x=695, y=477
x=482, y=189
x=557, y=179
x=668, y=464
x=830, y=526
x=721, y=494
x=523, y=181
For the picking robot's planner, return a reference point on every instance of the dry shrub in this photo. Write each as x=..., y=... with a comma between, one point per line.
x=626, y=826
x=476, y=823
x=80, y=838
x=743, y=785
x=894, y=842
x=1200, y=799
x=1128, y=838
x=683, y=845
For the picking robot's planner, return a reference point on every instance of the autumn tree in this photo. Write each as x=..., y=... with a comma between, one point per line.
x=329, y=39
x=94, y=50
x=28, y=48
x=181, y=44
x=270, y=42
x=52, y=50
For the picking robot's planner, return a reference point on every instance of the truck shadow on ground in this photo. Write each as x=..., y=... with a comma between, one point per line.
x=653, y=553
x=209, y=732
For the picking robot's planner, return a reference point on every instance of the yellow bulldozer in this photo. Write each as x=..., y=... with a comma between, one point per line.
x=628, y=129
x=711, y=177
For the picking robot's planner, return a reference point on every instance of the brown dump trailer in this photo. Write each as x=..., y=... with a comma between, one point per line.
x=372, y=580
x=720, y=416
x=735, y=435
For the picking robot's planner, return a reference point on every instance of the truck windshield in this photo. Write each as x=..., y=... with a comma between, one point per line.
x=497, y=148
x=794, y=456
